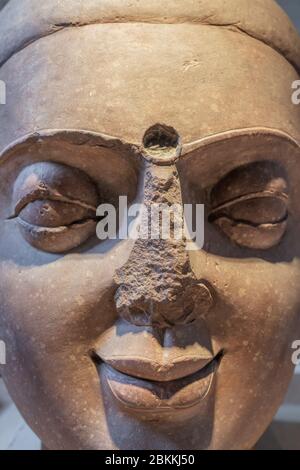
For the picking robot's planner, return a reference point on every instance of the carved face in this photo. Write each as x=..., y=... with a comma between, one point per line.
x=143, y=344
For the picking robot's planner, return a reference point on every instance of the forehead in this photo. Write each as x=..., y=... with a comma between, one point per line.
x=121, y=79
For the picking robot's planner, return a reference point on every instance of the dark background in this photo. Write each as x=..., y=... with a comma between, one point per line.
x=292, y=7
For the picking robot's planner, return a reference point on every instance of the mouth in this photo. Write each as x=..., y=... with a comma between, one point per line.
x=147, y=388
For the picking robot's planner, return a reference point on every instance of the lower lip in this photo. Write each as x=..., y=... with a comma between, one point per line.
x=144, y=395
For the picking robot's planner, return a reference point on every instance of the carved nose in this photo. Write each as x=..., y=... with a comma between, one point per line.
x=157, y=287
x=184, y=308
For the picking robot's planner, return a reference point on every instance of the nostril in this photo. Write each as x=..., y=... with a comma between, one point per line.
x=189, y=313
x=198, y=301
x=188, y=310
x=136, y=315
x=137, y=312
x=204, y=294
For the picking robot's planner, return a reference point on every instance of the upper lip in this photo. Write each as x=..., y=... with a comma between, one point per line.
x=136, y=351
x=162, y=370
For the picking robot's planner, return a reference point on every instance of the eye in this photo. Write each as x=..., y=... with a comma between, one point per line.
x=250, y=205
x=55, y=206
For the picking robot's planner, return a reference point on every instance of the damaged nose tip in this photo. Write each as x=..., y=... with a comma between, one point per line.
x=184, y=308
x=204, y=296
x=138, y=316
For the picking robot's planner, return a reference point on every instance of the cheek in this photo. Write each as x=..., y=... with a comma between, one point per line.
x=57, y=307
x=257, y=304
x=255, y=320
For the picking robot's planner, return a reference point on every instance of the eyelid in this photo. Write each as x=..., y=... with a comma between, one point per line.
x=57, y=239
x=258, y=229
x=261, y=237
x=47, y=194
x=262, y=194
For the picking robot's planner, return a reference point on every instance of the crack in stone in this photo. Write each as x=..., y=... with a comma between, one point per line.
x=234, y=27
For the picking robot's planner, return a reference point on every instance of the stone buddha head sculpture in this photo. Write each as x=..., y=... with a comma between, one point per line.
x=145, y=343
